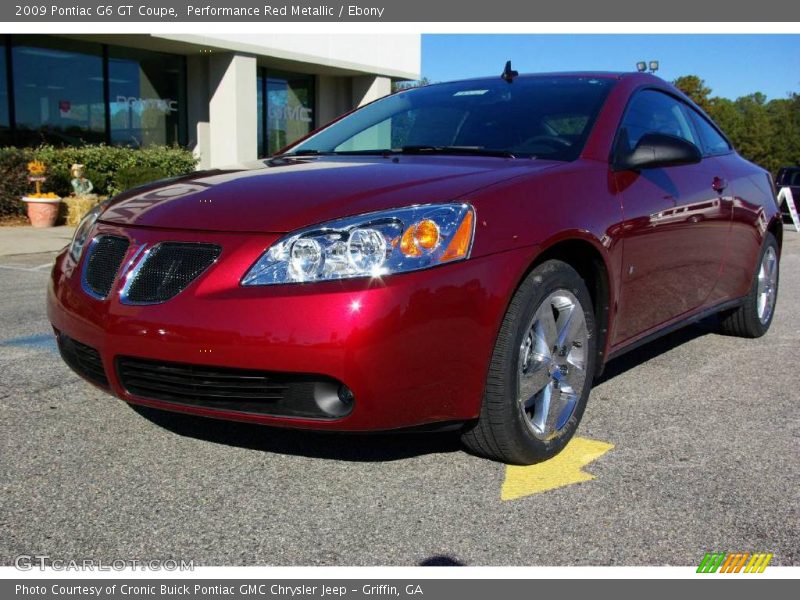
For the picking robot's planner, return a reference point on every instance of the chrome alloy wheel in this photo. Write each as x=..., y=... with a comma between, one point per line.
x=767, y=285
x=551, y=373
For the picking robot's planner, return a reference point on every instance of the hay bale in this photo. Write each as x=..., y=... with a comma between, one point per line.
x=78, y=206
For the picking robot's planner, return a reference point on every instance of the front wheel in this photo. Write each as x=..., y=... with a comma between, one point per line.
x=541, y=370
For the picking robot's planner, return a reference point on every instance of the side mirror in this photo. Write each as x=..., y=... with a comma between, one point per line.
x=656, y=150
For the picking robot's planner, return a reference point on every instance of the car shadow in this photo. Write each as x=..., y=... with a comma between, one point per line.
x=355, y=447
x=646, y=352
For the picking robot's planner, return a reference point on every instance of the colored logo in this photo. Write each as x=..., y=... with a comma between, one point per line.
x=734, y=562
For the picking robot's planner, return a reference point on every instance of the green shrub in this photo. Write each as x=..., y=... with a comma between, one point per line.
x=112, y=169
x=13, y=181
x=129, y=177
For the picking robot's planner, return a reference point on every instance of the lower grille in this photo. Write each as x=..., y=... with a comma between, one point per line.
x=82, y=359
x=105, y=257
x=166, y=270
x=240, y=390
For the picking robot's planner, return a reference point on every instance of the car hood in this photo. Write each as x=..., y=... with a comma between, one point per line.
x=280, y=195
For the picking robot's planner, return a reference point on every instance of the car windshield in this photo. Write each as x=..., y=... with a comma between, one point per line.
x=790, y=177
x=546, y=117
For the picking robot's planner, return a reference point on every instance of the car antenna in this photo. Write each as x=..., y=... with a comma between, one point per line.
x=509, y=74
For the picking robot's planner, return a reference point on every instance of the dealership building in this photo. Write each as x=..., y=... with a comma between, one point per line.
x=230, y=98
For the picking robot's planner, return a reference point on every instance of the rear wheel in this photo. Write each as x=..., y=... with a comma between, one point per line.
x=541, y=371
x=753, y=318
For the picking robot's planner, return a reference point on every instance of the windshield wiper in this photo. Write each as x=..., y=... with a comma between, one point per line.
x=421, y=149
x=471, y=150
x=309, y=152
x=313, y=152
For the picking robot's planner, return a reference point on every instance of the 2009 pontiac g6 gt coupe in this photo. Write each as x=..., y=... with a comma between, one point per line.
x=464, y=254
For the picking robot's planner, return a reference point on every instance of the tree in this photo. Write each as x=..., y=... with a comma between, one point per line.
x=695, y=88
x=755, y=138
x=766, y=132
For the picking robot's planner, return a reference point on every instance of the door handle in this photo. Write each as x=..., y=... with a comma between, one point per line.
x=719, y=184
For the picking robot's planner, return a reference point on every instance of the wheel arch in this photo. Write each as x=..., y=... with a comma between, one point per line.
x=775, y=227
x=588, y=257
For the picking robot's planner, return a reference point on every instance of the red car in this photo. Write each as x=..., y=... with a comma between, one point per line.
x=464, y=254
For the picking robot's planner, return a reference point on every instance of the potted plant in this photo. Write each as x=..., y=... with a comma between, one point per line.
x=43, y=207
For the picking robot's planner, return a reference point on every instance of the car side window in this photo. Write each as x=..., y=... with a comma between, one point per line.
x=652, y=111
x=713, y=143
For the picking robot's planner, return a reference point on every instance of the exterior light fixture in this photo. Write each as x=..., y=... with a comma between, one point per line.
x=643, y=66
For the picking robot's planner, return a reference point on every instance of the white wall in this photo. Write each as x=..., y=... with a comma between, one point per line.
x=395, y=55
x=232, y=109
x=351, y=70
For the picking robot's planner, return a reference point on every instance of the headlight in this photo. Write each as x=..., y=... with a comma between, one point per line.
x=371, y=245
x=83, y=231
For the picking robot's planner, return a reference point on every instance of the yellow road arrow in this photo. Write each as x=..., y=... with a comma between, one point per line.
x=563, y=469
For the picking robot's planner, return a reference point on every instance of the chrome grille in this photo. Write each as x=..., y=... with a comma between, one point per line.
x=105, y=257
x=166, y=269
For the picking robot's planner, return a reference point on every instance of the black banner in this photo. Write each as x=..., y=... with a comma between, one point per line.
x=355, y=589
x=175, y=11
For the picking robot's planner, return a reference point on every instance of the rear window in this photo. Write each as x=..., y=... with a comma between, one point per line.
x=713, y=143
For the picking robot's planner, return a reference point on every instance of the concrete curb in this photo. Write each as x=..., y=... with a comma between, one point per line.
x=30, y=240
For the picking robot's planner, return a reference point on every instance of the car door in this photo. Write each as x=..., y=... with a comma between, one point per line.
x=746, y=195
x=676, y=223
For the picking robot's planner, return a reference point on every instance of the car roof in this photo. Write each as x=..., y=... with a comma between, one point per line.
x=644, y=77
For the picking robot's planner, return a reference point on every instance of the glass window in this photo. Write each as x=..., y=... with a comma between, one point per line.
x=5, y=120
x=146, y=92
x=290, y=109
x=380, y=135
x=58, y=91
x=260, y=113
x=548, y=117
x=651, y=111
x=713, y=142
x=788, y=177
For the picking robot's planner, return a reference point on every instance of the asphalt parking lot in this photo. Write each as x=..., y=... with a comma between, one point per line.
x=705, y=457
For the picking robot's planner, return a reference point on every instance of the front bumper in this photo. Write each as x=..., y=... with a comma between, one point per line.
x=413, y=348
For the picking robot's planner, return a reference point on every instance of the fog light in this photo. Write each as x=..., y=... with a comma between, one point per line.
x=334, y=398
x=345, y=395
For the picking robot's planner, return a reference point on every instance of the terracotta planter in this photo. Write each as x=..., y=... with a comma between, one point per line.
x=42, y=212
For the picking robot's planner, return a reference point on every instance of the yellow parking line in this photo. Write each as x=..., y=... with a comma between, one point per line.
x=561, y=470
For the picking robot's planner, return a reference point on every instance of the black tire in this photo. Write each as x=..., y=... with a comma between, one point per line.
x=502, y=431
x=744, y=321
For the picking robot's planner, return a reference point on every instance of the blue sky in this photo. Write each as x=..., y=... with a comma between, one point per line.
x=732, y=65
